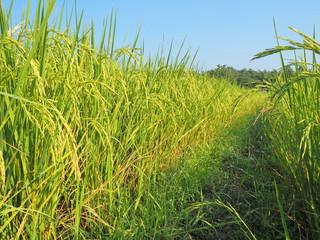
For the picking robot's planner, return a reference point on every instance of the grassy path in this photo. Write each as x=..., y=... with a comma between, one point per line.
x=228, y=193
x=224, y=191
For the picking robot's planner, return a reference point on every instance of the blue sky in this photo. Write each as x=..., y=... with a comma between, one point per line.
x=227, y=32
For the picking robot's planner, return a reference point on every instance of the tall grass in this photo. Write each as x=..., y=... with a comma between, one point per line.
x=86, y=131
x=294, y=130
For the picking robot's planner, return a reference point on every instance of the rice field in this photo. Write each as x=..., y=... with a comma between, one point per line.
x=98, y=142
x=86, y=131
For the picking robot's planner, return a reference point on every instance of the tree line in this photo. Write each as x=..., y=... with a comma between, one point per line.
x=245, y=77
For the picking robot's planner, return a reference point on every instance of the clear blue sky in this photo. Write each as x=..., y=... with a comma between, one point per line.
x=227, y=32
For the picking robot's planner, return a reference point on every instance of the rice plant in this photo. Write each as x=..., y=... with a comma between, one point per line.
x=294, y=129
x=86, y=129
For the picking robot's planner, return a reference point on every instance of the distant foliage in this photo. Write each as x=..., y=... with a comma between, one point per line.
x=245, y=77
